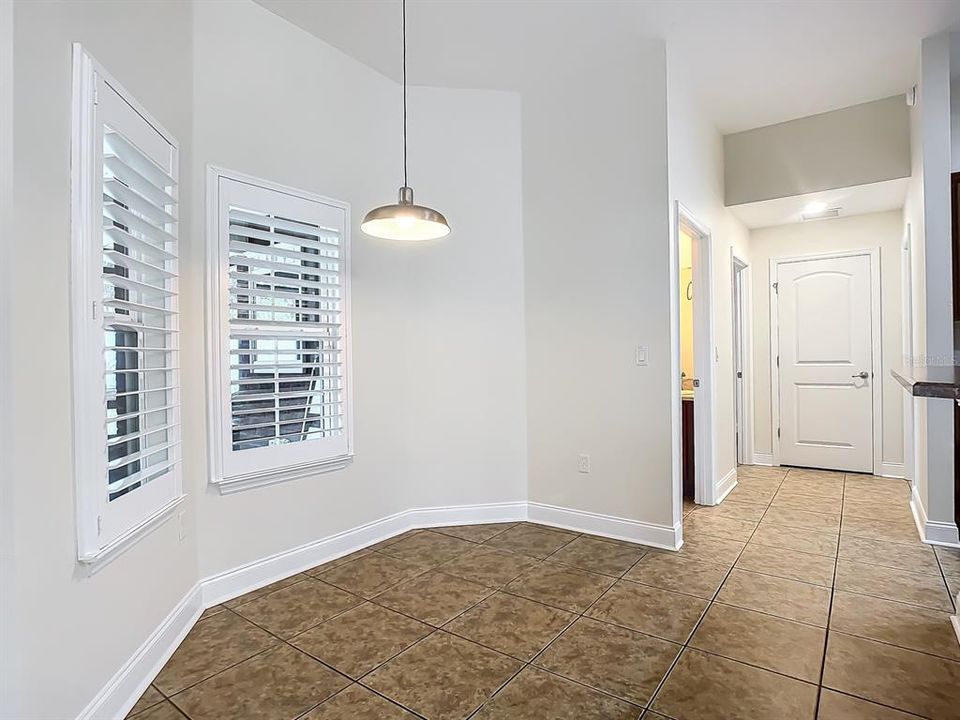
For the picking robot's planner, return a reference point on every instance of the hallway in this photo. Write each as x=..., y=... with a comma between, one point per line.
x=521, y=621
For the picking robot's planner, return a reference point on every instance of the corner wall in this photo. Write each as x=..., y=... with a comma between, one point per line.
x=696, y=161
x=75, y=630
x=596, y=264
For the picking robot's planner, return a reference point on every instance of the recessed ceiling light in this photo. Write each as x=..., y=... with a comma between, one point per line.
x=821, y=213
x=817, y=206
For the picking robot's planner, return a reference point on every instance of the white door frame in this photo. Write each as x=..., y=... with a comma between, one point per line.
x=705, y=486
x=741, y=304
x=875, y=337
x=906, y=284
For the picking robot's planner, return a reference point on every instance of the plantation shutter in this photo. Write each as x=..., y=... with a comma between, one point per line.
x=126, y=346
x=284, y=354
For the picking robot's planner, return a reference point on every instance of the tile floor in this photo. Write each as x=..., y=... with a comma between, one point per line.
x=804, y=595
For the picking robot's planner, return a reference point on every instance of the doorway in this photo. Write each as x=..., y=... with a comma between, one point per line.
x=742, y=359
x=693, y=348
x=825, y=349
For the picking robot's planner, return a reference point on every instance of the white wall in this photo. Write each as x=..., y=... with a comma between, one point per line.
x=858, y=232
x=695, y=150
x=437, y=328
x=857, y=145
x=597, y=282
x=75, y=631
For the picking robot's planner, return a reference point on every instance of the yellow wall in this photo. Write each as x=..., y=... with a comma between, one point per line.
x=686, y=308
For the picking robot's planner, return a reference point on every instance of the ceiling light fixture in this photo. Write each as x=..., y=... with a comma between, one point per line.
x=405, y=220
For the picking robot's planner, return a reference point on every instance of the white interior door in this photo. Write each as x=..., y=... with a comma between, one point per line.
x=826, y=361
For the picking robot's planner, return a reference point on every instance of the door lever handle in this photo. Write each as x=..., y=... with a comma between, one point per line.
x=862, y=375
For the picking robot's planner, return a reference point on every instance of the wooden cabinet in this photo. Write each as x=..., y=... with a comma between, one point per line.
x=687, y=449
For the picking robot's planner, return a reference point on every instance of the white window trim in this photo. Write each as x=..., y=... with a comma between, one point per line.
x=214, y=345
x=83, y=220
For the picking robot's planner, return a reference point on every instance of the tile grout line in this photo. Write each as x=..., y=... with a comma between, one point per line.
x=710, y=602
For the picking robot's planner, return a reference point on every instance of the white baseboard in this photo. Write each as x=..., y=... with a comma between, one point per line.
x=760, y=458
x=661, y=536
x=126, y=687
x=726, y=485
x=955, y=619
x=892, y=470
x=932, y=532
x=130, y=682
x=230, y=584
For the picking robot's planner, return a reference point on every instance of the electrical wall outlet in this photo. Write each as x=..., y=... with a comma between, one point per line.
x=642, y=355
x=583, y=463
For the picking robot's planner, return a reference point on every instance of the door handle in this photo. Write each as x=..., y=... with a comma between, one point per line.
x=862, y=375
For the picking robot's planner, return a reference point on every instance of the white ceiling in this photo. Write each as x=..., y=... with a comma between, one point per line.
x=856, y=200
x=750, y=63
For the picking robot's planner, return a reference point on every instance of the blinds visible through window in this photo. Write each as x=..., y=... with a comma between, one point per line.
x=139, y=316
x=280, y=311
x=286, y=355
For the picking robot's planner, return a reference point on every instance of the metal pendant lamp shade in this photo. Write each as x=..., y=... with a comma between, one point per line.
x=405, y=220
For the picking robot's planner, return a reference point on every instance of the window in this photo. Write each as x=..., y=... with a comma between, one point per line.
x=279, y=301
x=125, y=347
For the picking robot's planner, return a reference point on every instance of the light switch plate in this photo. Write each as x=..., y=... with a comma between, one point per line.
x=641, y=354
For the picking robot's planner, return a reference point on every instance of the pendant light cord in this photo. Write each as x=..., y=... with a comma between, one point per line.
x=403, y=6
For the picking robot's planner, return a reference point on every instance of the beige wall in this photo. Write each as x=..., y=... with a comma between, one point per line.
x=76, y=630
x=857, y=145
x=876, y=230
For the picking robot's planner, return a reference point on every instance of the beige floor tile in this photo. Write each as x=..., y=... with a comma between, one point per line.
x=150, y=697
x=815, y=474
x=891, y=584
x=761, y=471
x=212, y=611
x=293, y=609
x=708, y=687
x=265, y=590
x=862, y=495
x=889, y=510
x=537, y=695
x=671, y=571
x=489, y=566
x=784, y=646
x=443, y=677
x=816, y=543
x=784, y=598
x=758, y=495
x=599, y=556
x=809, y=503
x=710, y=549
x=668, y=615
x=913, y=557
x=280, y=683
x=621, y=662
x=512, y=625
x=212, y=645
x=163, y=711
x=392, y=540
x=949, y=560
x=790, y=517
x=836, y=706
x=428, y=548
x=905, y=679
x=790, y=564
x=357, y=641
x=834, y=491
x=534, y=540
x=891, y=530
x=563, y=587
x=358, y=703
x=371, y=574
x=736, y=510
x=907, y=626
x=433, y=597
x=730, y=528
x=475, y=533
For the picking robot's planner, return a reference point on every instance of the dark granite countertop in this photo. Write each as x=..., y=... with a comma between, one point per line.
x=930, y=382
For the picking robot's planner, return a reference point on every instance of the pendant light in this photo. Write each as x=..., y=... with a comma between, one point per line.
x=405, y=220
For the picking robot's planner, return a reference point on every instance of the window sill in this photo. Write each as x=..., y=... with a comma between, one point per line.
x=228, y=486
x=95, y=561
